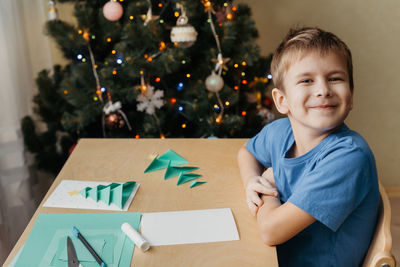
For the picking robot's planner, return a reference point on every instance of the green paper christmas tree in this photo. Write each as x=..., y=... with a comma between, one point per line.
x=114, y=193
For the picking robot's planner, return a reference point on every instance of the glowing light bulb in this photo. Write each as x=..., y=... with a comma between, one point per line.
x=180, y=86
x=119, y=61
x=79, y=56
x=180, y=108
x=102, y=89
x=269, y=76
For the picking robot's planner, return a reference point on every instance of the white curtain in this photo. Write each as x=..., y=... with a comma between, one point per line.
x=20, y=22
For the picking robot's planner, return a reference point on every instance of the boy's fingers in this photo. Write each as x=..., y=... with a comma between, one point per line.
x=266, y=190
x=265, y=182
x=256, y=200
x=253, y=208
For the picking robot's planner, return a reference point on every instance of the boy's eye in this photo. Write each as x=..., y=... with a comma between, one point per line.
x=306, y=81
x=334, y=79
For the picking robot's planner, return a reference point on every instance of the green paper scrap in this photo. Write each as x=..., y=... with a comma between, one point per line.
x=186, y=177
x=115, y=193
x=175, y=171
x=50, y=230
x=196, y=183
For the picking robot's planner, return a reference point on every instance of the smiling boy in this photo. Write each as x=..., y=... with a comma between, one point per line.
x=319, y=207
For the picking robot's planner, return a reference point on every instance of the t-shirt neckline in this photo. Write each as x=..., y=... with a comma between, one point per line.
x=313, y=151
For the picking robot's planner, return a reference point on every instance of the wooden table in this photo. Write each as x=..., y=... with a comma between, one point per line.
x=126, y=159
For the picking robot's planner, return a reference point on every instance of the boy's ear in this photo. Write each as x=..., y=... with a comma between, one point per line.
x=280, y=101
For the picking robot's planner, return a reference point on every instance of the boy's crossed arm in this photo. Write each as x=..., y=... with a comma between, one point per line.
x=277, y=223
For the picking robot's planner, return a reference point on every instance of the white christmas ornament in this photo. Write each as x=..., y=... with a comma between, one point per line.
x=149, y=100
x=112, y=11
x=214, y=83
x=183, y=33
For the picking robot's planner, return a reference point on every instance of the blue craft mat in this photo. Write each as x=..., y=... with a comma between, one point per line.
x=46, y=226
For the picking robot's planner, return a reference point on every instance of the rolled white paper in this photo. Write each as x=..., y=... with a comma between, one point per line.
x=137, y=238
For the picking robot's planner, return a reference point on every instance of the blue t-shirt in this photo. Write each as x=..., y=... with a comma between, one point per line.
x=335, y=182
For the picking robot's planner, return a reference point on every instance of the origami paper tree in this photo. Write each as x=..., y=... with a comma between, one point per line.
x=115, y=193
x=169, y=160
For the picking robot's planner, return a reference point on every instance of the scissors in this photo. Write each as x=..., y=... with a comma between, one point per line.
x=72, y=257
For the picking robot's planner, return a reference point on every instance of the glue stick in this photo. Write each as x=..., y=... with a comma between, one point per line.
x=137, y=238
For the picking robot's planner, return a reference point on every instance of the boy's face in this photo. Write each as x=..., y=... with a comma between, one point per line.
x=317, y=93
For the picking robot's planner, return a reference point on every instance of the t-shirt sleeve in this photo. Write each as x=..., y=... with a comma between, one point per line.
x=335, y=186
x=259, y=146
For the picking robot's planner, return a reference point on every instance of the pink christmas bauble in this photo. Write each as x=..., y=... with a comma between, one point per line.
x=112, y=11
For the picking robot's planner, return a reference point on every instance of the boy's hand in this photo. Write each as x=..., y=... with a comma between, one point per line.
x=255, y=186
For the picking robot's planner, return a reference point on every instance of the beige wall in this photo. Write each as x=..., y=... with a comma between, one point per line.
x=372, y=31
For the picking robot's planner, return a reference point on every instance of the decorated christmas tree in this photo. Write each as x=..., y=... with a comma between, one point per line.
x=141, y=68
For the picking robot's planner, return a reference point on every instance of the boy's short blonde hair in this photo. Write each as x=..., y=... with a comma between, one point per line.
x=300, y=41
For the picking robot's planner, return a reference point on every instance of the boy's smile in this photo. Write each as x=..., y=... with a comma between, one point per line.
x=316, y=95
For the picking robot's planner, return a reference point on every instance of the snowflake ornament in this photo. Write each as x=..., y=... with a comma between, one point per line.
x=149, y=100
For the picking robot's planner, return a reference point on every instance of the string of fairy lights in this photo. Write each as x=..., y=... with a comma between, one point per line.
x=184, y=35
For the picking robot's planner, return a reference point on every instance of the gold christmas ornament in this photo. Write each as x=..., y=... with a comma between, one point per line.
x=114, y=120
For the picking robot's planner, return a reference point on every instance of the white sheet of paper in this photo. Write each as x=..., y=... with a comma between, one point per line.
x=62, y=197
x=187, y=227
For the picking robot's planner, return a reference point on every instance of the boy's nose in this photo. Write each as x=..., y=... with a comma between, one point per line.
x=323, y=89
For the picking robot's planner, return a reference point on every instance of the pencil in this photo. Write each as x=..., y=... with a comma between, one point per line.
x=76, y=233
